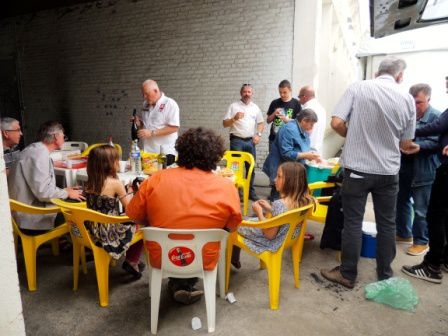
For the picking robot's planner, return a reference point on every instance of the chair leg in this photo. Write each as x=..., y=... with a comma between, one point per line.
x=16, y=241
x=210, y=298
x=222, y=270
x=274, y=267
x=83, y=259
x=29, y=254
x=228, y=259
x=156, y=285
x=77, y=251
x=295, y=252
x=102, y=260
x=55, y=246
x=245, y=199
x=262, y=265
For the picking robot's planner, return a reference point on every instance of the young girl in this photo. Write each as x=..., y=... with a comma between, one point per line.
x=103, y=191
x=292, y=185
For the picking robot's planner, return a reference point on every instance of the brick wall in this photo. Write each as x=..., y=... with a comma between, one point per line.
x=84, y=64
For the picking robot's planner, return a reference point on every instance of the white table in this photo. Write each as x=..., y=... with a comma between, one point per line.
x=125, y=178
x=70, y=175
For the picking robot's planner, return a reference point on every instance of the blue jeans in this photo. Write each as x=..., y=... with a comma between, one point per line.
x=406, y=226
x=248, y=146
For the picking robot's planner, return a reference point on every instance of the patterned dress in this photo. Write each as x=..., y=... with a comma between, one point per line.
x=255, y=239
x=114, y=238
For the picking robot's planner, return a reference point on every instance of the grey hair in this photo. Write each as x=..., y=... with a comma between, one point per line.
x=414, y=90
x=307, y=115
x=391, y=65
x=47, y=131
x=6, y=123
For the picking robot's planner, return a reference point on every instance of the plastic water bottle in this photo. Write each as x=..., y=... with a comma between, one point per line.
x=135, y=159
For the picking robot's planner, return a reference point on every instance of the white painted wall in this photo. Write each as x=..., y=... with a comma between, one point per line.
x=11, y=318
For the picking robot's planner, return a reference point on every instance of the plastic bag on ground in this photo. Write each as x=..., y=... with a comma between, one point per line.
x=394, y=292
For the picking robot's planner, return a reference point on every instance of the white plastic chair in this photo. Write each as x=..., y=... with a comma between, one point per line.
x=69, y=145
x=193, y=240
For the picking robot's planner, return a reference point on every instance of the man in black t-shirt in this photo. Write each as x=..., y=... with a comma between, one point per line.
x=282, y=109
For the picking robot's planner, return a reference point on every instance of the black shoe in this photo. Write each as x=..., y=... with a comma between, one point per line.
x=188, y=296
x=141, y=266
x=131, y=270
x=424, y=271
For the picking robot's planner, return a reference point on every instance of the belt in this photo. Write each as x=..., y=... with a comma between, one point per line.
x=237, y=137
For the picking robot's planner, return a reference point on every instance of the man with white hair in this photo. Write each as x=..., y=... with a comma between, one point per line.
x=378, y=119
x=158, y=121
x=31, y=179
x=11, y=134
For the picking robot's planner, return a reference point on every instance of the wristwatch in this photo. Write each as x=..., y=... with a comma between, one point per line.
x=259, y=134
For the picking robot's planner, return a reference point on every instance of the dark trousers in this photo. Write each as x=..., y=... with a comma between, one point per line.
x=59, y=220
x=437, y=218
x=238, y=144
x=384, y=189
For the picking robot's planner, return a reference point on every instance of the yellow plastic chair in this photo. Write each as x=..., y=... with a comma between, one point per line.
x=237, y=162
x=30, y=244
x=319, y=213
x=273, y=260
x=75, y=217
x=88, y=149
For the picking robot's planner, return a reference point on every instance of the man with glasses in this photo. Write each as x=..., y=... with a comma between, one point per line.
x=11, y=134
x=246, y=126
x=308, y=100
x=417, y=173
x=31, y=179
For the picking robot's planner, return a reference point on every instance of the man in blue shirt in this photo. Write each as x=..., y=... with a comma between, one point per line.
x=292, y=143
x=417, y=173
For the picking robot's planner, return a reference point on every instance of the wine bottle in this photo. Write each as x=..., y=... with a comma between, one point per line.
x=161, y=159
x=134, y=128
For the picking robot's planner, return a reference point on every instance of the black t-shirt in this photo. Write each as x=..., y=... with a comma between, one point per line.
x=291, y=108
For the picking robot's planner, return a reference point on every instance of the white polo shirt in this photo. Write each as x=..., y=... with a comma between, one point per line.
x=244, y=127
x=165, y=112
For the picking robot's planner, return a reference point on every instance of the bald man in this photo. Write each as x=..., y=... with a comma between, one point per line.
x=158, y=121
x=308, y=101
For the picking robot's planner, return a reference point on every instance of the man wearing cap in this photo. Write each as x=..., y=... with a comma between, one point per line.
x=246, y=126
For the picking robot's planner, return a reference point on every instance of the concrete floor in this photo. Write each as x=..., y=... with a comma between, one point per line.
x=317, y=308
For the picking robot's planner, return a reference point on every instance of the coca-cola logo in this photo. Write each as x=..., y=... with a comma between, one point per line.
x=181, y=256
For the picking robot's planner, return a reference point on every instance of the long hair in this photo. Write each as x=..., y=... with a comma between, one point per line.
x=295, y=185
x=102, y=164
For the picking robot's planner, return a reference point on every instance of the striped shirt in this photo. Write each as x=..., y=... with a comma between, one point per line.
x=378, y=115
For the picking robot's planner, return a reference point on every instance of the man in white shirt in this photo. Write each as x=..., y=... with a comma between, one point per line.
x=158, y=121
x=31, y=179
x=308, y=101
x=11, y=134
x=246, y=126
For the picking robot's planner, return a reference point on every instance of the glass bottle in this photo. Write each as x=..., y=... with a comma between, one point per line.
x=134, y=127
x=161, y=158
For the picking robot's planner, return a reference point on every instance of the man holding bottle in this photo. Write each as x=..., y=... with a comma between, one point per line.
x=158, y=121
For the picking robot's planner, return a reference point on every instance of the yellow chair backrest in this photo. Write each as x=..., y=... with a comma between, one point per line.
x=319, y=214
x=88, y=149
x=273, y=260
x=76, y=214
x=236, y=161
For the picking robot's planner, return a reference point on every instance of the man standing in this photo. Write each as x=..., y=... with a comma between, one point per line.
x=246, y=126
x=377, y=119
x=437, y=216
x=158, y=121
x=282, y=110
x=417, y=173
x=11, y=134
x=308, y=101
x=31, y=179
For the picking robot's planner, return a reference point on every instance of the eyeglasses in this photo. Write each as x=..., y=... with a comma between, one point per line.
x=16, y=130
x=65, y=137
x=302, y=95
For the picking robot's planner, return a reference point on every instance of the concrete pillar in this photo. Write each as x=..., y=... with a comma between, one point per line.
x=11, y=317
x=307, y=22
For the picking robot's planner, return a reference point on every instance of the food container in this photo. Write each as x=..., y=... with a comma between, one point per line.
x=321, y=171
